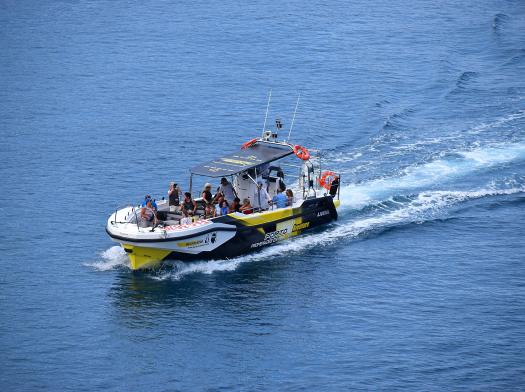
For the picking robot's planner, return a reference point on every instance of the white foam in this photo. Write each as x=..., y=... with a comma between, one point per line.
x=112, y=258
x=498, y=122
x=430, y=174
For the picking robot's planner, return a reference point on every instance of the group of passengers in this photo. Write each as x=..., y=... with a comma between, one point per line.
x=224, y=202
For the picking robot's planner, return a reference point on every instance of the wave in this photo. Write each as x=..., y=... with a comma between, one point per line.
x=516, y=59
x=110, y=259
x=465, y=78
x=459, y=137
x=499, y=22
x=395, y=120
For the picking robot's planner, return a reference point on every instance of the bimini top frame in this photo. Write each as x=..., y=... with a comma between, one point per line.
x=258, y=154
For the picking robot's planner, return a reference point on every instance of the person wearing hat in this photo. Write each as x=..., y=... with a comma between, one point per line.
x=226, y=189
x=207, y=197
x=147, y=199
x=148, y=214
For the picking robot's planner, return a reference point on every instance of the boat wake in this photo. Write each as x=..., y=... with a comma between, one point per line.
x=449, y=166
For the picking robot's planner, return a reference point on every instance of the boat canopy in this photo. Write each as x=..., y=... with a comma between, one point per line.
x=258, y=154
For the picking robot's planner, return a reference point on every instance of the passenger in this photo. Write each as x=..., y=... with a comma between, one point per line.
x=280, y=180
x=334, y=186
x=174, y=197
x=153, y=204
x=227, y=190
x=289, y=195
x=279, y=199
x=189, y=206
x=207, y=197
x=217, y=211
x=217, y=196
x=246, y=207
x=261, y=198
x=148, y=215
x=236, y=205
x=224, y=207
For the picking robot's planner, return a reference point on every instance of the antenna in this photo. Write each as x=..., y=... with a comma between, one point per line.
x=267, y=107
x=293, y=119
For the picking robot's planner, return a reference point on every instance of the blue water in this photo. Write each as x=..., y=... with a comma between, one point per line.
x=420, y=285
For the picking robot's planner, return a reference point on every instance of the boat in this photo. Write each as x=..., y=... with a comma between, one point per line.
x=261, y=160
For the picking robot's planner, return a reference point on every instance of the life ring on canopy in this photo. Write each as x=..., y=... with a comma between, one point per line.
x=301, y=152
x=326, y=179
x=249, y=143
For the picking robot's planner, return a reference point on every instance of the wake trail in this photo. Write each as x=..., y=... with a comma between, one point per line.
x=449, y=167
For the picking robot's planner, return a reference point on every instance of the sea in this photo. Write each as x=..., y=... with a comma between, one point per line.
x=418, y=286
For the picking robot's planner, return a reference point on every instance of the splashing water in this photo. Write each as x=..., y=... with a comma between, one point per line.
x=110, y=259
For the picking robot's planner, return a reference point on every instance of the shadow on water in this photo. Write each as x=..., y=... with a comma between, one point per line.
x=145, y=297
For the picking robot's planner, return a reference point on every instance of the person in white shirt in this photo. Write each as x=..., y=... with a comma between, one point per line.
x=260, y=197
x=226, y=189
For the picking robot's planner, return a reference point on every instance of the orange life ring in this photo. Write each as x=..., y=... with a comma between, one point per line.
x=249, y=143
x=301, y=152
x=326, y=179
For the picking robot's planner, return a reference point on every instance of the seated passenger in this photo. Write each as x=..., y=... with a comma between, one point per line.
x=224, y=207
x=207, y=197
x=217, y=196
x=236, y=205
x=148, y=215
x=279, y=199
x=148, y=198
x=246, y=207
x=217, y=211
x=289, y=195
x=189, y=206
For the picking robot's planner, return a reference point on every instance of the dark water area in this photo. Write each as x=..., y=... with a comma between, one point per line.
x=420, y=284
